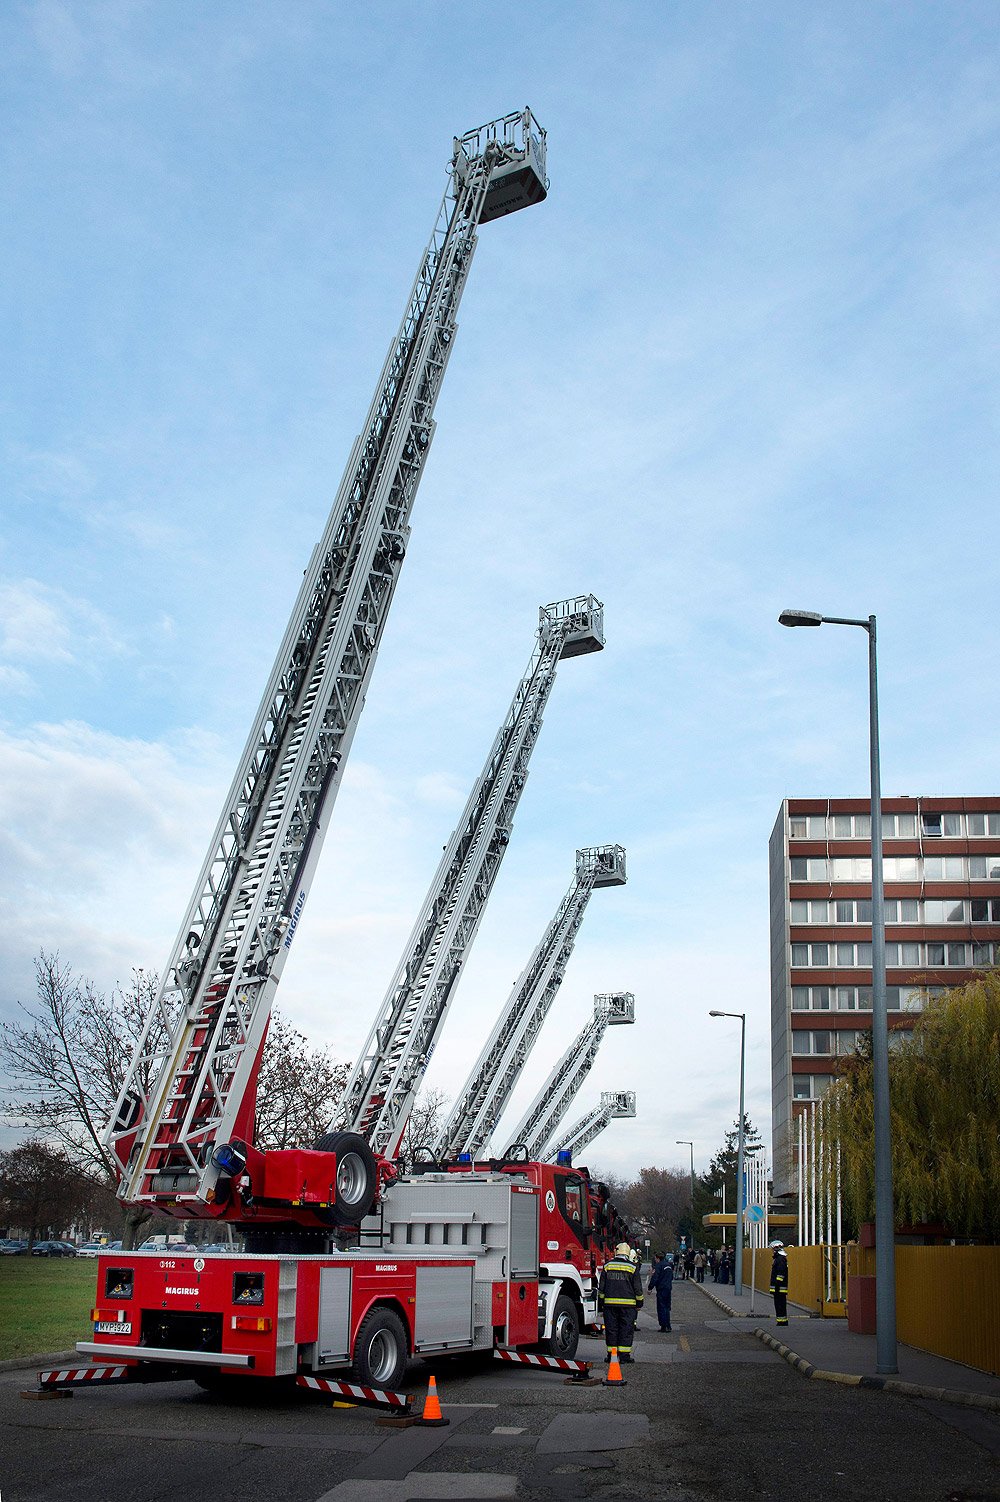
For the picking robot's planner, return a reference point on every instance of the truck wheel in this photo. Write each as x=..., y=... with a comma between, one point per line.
x=380, y=1350
x=565, y=1335
x=357, y=1176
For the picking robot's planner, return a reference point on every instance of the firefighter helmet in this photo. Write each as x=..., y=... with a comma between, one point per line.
x=623, y=1249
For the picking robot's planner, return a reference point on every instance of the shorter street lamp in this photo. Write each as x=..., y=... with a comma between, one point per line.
x=738, y=1269
x=683, y=1142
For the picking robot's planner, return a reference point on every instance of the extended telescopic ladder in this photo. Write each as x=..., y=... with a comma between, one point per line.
x=487, y=1090
x=614, y=1103
x=557, y=1094
x=379, y=1094
x=193, y=1077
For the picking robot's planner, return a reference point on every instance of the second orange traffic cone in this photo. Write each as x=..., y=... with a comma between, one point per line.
x=614, y=1377
x=432, y=1415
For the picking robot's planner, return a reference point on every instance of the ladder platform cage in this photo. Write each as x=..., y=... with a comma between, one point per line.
x=517, y=181
x=615, y=1007
x=606, y=862
x=618, y=1102
x=585, y=615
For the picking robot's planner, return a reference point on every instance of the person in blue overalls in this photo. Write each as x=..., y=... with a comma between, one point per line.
x=661, y=1281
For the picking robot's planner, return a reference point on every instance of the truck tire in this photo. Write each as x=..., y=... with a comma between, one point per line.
x=357, y=1176
x=565, y=1335
x=380, y=1351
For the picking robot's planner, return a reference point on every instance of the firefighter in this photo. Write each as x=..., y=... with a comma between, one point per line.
x=779, y=1282
x=619, y=1294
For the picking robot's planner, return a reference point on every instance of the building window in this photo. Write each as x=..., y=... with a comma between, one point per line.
x=849, y=911
x=809, y=912
x=810, y=998
x=796, y=827
x=985, y=910
x=948, y=910
x=811, y=1086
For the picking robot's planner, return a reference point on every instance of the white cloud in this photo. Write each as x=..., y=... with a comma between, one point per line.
x=42, y=624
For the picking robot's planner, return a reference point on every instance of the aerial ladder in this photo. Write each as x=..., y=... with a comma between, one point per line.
x=496, y=1072
x=379, y=1094
x=613, y=1009
x=614, y=1104
x=183, y=1123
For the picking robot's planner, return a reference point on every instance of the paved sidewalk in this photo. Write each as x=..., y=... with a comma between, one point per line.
x=827, y=1349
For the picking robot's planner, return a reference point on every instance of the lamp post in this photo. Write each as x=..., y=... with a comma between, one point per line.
x=683, y=1142
x=740, y=1152
x=885, y=1248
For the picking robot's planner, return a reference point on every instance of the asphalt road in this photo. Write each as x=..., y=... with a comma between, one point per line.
x=706, y=1413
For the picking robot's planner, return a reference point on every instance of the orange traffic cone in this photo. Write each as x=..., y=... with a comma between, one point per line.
x=614, y=1377
x=432, y=1416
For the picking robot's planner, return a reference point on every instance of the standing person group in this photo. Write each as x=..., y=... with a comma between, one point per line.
x=620, y=1295
x=661, y=1282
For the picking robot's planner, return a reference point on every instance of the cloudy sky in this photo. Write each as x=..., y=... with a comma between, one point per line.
x=743, y=357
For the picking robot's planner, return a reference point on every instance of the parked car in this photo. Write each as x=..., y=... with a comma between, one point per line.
x=53, y=1249
x=91, y=1249
x=11, y=1247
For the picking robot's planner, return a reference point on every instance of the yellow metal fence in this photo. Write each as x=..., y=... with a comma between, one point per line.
x=947, y=1297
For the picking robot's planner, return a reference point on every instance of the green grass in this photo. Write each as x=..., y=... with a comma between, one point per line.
x=45, y=1304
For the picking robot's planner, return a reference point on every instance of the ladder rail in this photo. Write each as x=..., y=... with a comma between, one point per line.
x=380, y=1091
x=558, y=1092
x=201, y=1043
x=615, y=1104
x=493, y=1076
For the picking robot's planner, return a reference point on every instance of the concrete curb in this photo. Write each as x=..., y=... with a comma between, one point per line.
x=980, y=1400
x=721, y=1303
x=25, y=1363
x=984, y=1401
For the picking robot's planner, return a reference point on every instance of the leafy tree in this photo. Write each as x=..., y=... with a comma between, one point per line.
x=41, y=1191
x=722, y=1169
x=944, y=1089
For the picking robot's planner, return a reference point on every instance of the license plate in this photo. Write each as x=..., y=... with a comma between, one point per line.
x=113, y=1327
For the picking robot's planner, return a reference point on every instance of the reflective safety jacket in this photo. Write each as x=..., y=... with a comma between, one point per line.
x=620, y=1283
x=779, y=1273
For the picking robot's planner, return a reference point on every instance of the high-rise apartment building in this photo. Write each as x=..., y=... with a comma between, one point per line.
x=941, y=867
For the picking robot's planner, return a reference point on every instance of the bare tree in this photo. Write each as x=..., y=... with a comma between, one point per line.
x=69, y=1058
x=68, y=1062
x=425, y=1122
x=297, y=1090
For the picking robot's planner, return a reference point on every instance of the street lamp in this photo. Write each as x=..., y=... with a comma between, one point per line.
x=683, y=1142
x=740, y=1151
x=885, y=1248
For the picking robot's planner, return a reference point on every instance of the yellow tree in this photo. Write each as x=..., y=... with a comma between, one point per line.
x=944, y=1087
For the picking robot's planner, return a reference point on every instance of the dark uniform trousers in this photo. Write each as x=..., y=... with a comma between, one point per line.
x=779, y=1289
x=620, y=1295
